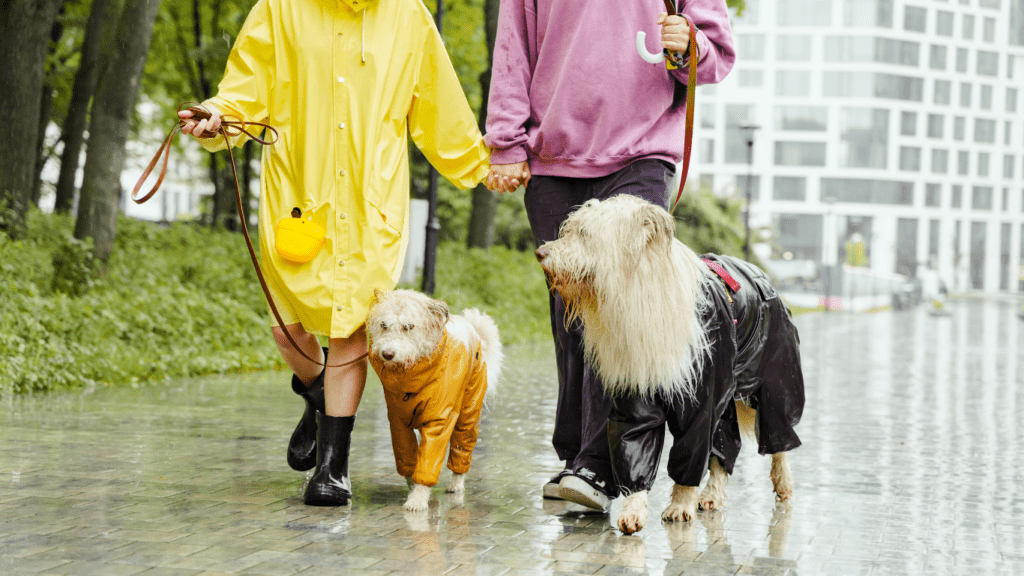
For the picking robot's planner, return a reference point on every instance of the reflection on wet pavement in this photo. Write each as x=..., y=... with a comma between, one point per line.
x=910, y=465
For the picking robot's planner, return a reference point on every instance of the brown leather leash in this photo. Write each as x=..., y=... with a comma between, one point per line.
x=230, y=126
x=691, y=92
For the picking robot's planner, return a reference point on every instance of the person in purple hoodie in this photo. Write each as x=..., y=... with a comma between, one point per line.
x=574, y=113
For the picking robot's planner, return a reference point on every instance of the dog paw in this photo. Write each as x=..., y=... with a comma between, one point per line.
x=709, y=501
x=633, y=516
x=683, y=506
x=782, y=478
x=418, y=498
x=457, y=484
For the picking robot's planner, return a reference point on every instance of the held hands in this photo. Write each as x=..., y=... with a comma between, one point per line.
x=675, y=33
x=508, y=177
x=206, y=128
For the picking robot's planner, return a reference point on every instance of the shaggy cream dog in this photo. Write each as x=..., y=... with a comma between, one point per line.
x=436, y=369
x=705, y=352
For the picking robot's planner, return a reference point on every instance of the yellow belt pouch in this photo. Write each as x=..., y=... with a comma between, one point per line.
x=297, y=240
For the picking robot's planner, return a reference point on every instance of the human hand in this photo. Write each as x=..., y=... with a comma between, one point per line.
x=205, y=128
x=675, y=33
x=508, y=177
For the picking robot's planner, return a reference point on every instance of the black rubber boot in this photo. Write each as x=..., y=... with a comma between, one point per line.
x=330, y=485
x=302, y=446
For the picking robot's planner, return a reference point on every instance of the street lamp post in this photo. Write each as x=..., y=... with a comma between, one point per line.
x=748, y=130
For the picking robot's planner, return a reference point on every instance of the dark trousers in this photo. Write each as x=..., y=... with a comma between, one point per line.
x=581, y=417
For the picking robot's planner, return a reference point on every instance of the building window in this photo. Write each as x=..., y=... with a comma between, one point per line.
x=981, y=198
x=959, y=128
x=956, y=197
x=968, y=31
x=863, y=13
x=901, y=52
x=1004, y=257
x=983, y=162
x=793, y=47
x=1008, y=162
x=801, y=118
x=962, y=162
x=1009, y=65
x=707, y=150
x=910, y=159
x=989, y=3
x=849, y=48
x=864, y=137
x=868, y=191
x=792, y=83
x=977, y=255
x=965, y=94
x=805, y=13
x=789, y=188
x=986, y=97
x=1016, y=22
x=988, y=63
x=937, y=57
x=799, y=153
x=961, y=59
x=940, y=161
x=936, y=123
x=914, y=18
x=750, y=46
x=984, y=131
x=799, y=234
x=737, y=115
x=848, y=84
x=1007, y=132
x=1006, y=199
x=707, y=115
x=933, y=195
x=933, y=243
x=740, y=182
x=1011, y=99
x=908, y=123
x=943, y=89
x=750, y=78
x=989, y=30
x=899, y=87
x=944, y=23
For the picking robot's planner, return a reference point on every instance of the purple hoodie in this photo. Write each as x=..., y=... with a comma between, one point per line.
x=570, y=93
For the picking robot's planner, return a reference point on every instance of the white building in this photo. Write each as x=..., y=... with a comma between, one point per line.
x=902, y=120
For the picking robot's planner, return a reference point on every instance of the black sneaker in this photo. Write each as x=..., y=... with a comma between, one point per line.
x=551, y=488
x=584, y=489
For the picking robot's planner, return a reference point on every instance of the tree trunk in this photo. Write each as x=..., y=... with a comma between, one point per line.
x=24, y=38
x=78, y=108
x=109, y=126
x=45, y=104
x=485, y=202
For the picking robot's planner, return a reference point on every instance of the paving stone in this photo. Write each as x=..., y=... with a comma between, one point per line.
x=908, y=466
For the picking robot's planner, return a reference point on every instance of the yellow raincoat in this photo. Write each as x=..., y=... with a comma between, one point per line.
x=346, y=82
x=441, y=396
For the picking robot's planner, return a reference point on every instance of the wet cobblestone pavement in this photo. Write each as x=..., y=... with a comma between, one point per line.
x=911, y=464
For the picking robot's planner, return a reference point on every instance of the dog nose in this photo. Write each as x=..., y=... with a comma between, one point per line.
x=388, y=355
x=541, y=252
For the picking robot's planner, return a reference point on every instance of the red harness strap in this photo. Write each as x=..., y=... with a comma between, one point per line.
x=723, y=274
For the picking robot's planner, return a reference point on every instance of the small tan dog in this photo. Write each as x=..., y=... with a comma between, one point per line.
x=701, y=344
x=436, y=369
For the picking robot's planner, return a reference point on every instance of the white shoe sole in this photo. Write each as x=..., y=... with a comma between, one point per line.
x=551, y=491
x=578, y=491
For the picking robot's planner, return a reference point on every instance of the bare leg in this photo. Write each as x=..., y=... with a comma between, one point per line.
x=343, y=386
x=306, y=371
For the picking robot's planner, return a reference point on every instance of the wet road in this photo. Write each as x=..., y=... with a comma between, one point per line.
x=911, y=464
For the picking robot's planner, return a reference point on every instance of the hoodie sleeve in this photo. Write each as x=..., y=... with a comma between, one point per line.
x=508, y=102
x=441, y=123
x=716, y=49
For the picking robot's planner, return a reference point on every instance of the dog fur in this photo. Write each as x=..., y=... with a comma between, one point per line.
x=643, y=298
x=428, y=361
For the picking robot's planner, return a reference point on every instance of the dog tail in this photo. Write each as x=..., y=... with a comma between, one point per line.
x=490, y=345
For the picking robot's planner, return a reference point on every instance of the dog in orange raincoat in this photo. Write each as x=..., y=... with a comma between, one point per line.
x=436, y=369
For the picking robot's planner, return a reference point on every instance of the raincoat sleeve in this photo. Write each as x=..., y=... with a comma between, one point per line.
x=716, y=49
x=508, y=102
x=434, y=437
x=441, y=123
x=245, y=88
x=403, y=443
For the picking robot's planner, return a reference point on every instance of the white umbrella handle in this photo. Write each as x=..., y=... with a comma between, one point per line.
x=641, y=47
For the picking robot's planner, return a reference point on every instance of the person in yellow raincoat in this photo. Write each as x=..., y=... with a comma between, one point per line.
x=345, y=83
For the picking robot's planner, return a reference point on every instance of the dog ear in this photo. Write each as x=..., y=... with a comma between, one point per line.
x=439, y=309
x=658, y=223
